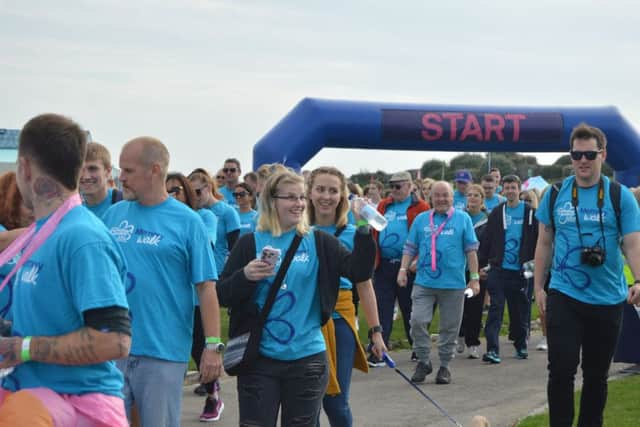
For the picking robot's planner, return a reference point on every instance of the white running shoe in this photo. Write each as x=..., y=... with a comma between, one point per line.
x=542, y=345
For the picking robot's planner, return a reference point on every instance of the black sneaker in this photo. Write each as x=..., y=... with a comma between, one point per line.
x=422, y=370
x=414, y=358
x=374, y=362
x=200, y=390
x=444, y=376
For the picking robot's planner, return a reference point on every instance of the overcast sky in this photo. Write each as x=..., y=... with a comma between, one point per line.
x=210, y=78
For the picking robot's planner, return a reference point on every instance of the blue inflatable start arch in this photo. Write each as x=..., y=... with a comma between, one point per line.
x=318, y=123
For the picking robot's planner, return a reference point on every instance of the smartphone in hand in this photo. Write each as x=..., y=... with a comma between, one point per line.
x=270, y=255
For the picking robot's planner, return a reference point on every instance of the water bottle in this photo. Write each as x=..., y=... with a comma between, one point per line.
x=372, y=216
x=527, y=269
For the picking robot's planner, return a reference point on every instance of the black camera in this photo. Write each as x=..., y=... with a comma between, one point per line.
x=593, y=256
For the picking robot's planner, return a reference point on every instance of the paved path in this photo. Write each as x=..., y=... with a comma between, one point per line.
x=503, y=393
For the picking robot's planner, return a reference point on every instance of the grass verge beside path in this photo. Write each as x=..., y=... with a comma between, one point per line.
x=622, y=410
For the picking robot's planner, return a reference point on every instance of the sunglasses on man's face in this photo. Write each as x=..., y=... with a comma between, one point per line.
x=590, y=155
x=239, y=194
x=229, y=170
x=220, y=177
x=175, y=190
x=396, y=186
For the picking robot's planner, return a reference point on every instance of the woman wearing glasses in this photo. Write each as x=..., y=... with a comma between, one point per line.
x=327, y=211
x=246, y=203
x=291, y=371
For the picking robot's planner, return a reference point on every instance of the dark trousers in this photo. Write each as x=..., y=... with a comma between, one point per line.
x=511, y=286
x=472, y=317
x=197, y=345
x=296, y=386
x=571, y=326
x=385, y=285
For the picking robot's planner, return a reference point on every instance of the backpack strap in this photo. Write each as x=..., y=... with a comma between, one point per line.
x=553, y=195
x=615, y=195
x=339, y=231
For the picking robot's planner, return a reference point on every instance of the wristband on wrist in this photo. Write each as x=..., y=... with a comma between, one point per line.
x=25, y=356
x=402, y=269
x=637, y=282
x=474, y=276
x=212, y=340
x=361, y=222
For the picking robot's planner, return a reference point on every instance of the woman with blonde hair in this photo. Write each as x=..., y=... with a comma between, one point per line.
x=290, y=373
x=327, y=211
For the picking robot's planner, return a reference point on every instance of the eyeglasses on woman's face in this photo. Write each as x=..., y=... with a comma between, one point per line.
x=240, y=194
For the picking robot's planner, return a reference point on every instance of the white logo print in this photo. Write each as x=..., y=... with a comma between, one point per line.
x=30, y=275
x=301, y=257
x=122, y=232
x=566, y=213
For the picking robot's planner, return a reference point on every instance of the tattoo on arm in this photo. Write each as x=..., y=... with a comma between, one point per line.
x=82, y=347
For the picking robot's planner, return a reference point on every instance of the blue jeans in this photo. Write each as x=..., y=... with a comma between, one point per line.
x=155, y=386
x=337, y=407
x=510, y=285
x=385, y=285
x=296, y=386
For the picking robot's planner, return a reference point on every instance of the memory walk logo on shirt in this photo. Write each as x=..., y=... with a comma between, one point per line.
x=30, y=272
x=450, y=231
x=301, y=256
x=145, y=237
x=566, y=214
x=122, y=232
x=510, y=221
x=393, y=216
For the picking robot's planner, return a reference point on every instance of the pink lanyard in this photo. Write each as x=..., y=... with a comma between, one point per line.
x=435, y=233
x=25, y=239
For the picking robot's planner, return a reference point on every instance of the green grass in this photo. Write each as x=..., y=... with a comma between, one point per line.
x=622, y=408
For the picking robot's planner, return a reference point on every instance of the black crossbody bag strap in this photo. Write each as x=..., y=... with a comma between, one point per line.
x=282, y=271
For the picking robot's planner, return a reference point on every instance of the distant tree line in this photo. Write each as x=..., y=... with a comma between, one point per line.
x=524, y=166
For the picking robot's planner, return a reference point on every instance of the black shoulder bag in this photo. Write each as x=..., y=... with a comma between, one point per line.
x=243, y=349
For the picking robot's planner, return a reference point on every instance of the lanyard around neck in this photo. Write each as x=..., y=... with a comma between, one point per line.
x=574, y=202
x=435, y=233
x=31, y=240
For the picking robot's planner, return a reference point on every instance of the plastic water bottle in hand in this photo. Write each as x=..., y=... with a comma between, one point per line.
x=527, y=269
x=370, y=214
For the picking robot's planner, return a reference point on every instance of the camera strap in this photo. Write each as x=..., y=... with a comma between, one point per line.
x=574, y=202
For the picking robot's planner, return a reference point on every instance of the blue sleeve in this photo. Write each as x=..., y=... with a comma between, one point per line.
x=210, y=224
x=630, y=214
x=232, y=220
x=542, y=213
x=414, y=236
x=96, y=277
x=470, y=240
x=203, y=265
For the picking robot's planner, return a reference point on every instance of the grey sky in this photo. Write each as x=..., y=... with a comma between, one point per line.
x=210, y=78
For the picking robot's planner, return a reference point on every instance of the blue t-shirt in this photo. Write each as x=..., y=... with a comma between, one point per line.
x=228, y=221
x=391, y=239
x=168, y=251
x=477, y=217
x=210, y=224
x=459, y=200
x=513, y=219
x=228, y=196
x=6, y=295
x=292, y=330
x=456, y=238
x=101, y=207
x=248, y=221
x=78, y=268
x=593, y=285
x=493, y=202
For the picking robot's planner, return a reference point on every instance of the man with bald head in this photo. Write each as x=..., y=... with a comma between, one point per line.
x=445, y=244
x=168, y=253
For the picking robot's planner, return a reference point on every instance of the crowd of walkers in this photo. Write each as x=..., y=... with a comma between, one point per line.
x=104, y=304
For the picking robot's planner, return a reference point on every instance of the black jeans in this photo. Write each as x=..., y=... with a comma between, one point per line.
x=297, y=386
x=571, y=326
x=385, y=285
x=472, y=316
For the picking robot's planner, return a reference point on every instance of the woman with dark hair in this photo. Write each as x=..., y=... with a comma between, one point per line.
x=13, y=215
x=328, y=206
x=245, y=199
x=290, y=374
x=179, y=187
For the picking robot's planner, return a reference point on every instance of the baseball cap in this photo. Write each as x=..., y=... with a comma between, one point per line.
x=400, y=176
x=463, y=175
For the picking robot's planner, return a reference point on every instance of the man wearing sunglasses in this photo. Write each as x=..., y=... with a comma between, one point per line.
x=400, y=209
x=587, y=291
x=231, y=172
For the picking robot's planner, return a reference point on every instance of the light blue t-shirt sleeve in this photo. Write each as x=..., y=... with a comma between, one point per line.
x=542, y=213
x=470, y=239
x=232, y=219
x=2, y=228
x=97, y=277
x=210, y=223
x=202, y=264
x=630, y=213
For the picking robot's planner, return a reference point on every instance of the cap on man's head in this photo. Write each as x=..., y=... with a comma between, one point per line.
x=463, y=175
x=400, y=176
